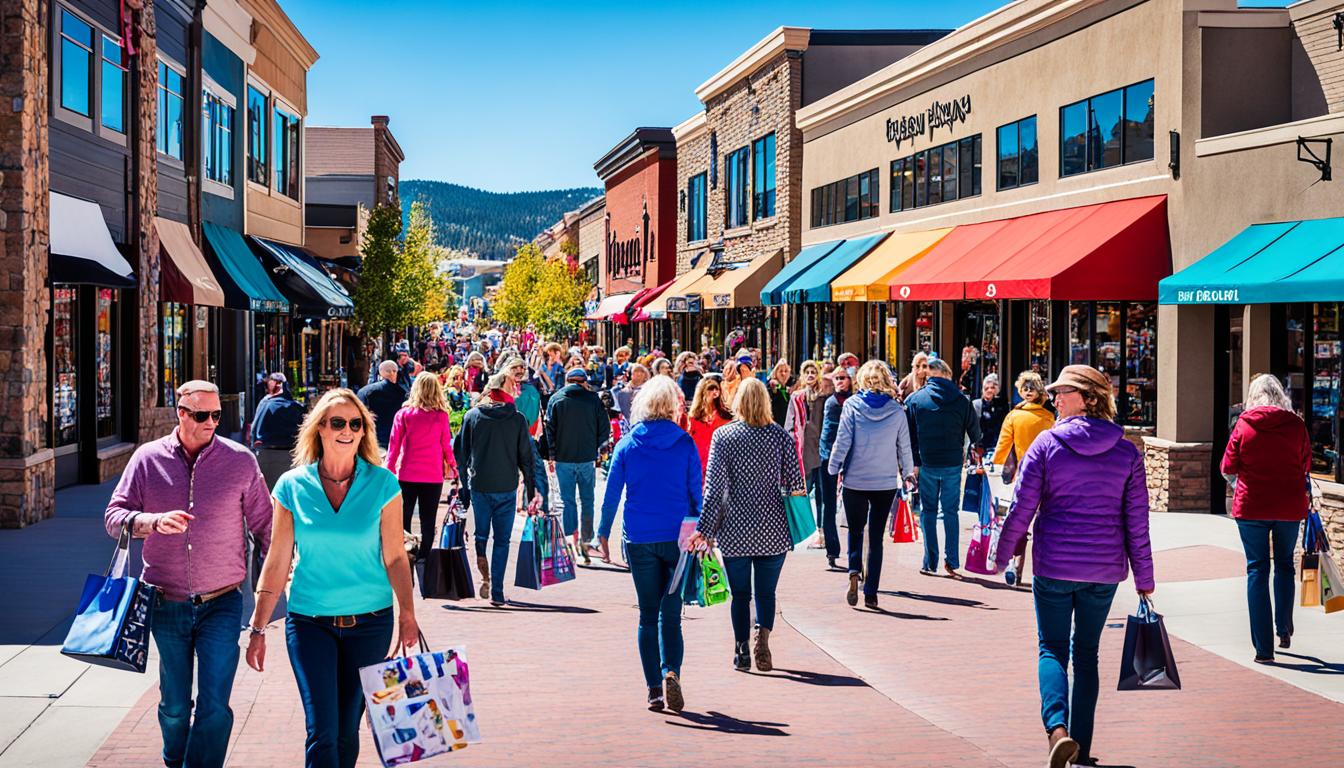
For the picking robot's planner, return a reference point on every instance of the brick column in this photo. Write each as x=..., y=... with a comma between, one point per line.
x=27, y=463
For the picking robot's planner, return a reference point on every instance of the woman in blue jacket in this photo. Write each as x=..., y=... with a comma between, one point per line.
x=873, y=431
x=658, y=467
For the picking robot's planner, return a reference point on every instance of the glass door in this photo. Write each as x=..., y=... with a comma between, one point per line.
x=1325, y=375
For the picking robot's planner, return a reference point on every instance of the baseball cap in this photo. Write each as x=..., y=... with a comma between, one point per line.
x=576, y=374
x=278, y=376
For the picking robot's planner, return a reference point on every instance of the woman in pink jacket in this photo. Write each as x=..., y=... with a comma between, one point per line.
x=420, y=453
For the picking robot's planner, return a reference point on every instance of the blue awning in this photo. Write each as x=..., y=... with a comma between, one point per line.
x=773, y=292
x=814, y=283
x=244, y=280
x=1289, y=261
x=309, y=288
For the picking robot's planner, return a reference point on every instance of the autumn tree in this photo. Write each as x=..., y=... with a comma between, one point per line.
x=379, y=251
x=400, y=283
x=518, y=286
x=557, y=307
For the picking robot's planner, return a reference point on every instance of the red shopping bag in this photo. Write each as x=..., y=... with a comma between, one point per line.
x=904, y=529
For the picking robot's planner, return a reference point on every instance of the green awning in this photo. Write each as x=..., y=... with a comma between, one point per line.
x=814, y=283
x=310, y=290
x=773, y=292
x=1287, y=261
x=244, y=280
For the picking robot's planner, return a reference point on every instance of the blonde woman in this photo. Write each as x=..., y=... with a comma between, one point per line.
x=918, y=376
x=873, y=458
x=339, y=510
x=708, y=414
x=420, y=453
x=779, y=383
x=455, y=389
x=752, y=463
x=1023, y=424
x=658, y=469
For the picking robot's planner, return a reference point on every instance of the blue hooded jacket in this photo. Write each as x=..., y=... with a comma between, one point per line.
x=658, y=467
x=941, y=418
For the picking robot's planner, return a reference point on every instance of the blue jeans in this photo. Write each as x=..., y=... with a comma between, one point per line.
x=326, y=661
x=543, y=482
x=1256, y=538
x=1080, y=608
x=826, y=491
x=867, y=509
x=584, y=475
x=940, y=487
x=495, y=510
x=659, y=636
x=739, y=570
x=206, y=637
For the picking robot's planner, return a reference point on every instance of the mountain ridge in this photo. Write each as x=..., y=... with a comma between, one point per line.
x=490, y=225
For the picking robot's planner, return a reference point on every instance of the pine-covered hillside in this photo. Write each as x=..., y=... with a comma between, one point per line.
x=490, y=224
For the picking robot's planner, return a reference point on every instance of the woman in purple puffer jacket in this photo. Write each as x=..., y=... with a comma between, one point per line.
x=1084, y=484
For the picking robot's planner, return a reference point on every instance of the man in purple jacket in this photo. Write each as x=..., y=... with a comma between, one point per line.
x=191, y=495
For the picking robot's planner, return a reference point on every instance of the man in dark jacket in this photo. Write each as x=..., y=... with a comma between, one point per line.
x=576, y=429
x=275, y=427
x=384, y=398
x=830, y=426
x=941, y=420
x=493, y=447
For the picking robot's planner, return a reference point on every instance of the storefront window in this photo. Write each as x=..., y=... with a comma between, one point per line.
x=1140, y=401
x=65, y=379
x=105, y=362
x=926, y=313
x=1108, y=337
x=1080, y=337
x=1295, y=359
x=173, y=342
x=1038, y=341
x=1324, y=424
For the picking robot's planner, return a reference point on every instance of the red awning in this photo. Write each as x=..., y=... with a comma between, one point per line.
x=635, y=312
x=1107, y=252
x=612, y=305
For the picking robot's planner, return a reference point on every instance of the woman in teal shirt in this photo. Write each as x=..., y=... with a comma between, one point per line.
x=340, y=511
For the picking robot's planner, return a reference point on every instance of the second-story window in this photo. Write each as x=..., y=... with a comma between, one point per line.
x=257, y=165
x=1111, y=129
x=735, y=170
x=696, y=220
x=170, y=111
x=218, y=145
x=763, y=177
x=76, y=63
x=1017, y=155
x=936, y=175
x=114, y=85
x=286, y=153
x=851, y=199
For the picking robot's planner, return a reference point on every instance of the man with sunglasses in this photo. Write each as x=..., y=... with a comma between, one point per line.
x=191, y=495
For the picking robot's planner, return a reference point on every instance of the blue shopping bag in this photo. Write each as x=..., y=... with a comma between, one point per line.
x=976, y=486
x=528, y=575
x=112, y=623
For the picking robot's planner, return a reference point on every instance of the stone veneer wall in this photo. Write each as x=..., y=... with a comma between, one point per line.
x=1178, y=475
x=1332, y=515
x=27, y=463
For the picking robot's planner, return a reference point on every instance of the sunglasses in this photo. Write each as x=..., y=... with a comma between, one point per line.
x=200, y=416
x=337, y=423
x=1062, y=391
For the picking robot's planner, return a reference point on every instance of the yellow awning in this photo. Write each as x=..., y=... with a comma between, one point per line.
x=871, y=278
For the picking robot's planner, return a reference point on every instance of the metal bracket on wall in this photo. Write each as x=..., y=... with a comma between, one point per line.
x=1316, y=161
x=1338, y=24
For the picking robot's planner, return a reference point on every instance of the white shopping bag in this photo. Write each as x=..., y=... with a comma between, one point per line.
x=420, y=706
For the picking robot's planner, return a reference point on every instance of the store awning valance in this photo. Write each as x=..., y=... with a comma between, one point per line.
x=871, y=277
x=637, y=312
x=773, y=292
x=310, y=290
x=81, y=247
x=1114, y=251
x=657, y=307
x=736, y=284
x=611, y=305
x=813, y=285
x=1286, y=261
x=184, y=277
x=244, y=280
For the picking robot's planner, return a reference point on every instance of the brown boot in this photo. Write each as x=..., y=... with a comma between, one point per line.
x=762, y=650
x=483, y=565
x=1063, y=749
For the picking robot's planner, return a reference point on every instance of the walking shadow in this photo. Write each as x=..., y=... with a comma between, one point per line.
x=961, y=602
x=721, y=723
x=1316, y=667
x=520, y=608
x=899, y=615
x=614, y=567
x=987, y=584
x=817, y=678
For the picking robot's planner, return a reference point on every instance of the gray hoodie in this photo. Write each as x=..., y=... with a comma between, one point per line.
x=872, y=443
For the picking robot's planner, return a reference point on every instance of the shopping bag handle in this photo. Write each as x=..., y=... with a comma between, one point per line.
x=1147, y=613
x=120, y=564
x=424, y=646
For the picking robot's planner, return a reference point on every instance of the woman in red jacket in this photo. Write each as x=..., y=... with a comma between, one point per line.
x=1268, y=458
x=707, y=414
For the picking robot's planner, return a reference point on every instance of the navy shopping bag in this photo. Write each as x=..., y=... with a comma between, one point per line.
x=528, y=575
x=976, y=485
x=112, y=623
x=1146, y=663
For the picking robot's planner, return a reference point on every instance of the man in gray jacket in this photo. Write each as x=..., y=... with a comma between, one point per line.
x=576, y=429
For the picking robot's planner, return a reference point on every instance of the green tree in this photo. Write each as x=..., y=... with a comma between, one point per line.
x=400, y=283
x=421, y=288
x=518, y=286
x=557, y=307
x=374, y=294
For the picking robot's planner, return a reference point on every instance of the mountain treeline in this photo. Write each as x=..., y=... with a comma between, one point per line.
x=489, y=224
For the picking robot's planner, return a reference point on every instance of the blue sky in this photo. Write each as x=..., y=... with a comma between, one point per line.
x=527, y=95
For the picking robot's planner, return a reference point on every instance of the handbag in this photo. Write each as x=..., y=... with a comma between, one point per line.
x=420, y=706
x=112, y=623
x=903, y=527
x=1010, y=465
x=713, y=580
x=802, y=523
x=978, y=559
x=1146, y=663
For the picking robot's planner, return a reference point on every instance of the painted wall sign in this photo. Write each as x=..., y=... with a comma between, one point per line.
x=939, y=114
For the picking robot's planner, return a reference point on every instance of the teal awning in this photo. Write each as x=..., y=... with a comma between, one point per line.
x=309, y=288
x=244, y=280
x=1287, y=261
x=814, y=283
x=773, y=292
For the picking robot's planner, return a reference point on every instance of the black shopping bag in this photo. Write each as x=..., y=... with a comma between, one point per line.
x=447, y=573
x=1147, y=663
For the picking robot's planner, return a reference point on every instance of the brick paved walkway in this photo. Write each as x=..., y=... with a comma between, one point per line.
x=944, y=675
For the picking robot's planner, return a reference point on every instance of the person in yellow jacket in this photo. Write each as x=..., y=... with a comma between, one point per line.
x=1021, y=426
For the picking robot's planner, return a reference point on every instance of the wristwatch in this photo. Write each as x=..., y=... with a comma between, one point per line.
x=256, y=630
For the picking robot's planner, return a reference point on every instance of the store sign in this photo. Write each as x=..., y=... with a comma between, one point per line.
x=939, y=114
x=1209, y=296
x=676, y=304
x=723, y=300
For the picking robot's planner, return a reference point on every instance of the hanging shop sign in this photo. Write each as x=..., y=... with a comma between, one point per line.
x=940, y=114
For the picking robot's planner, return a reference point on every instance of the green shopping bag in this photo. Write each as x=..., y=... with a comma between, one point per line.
x=802, y=522
x=713, y=581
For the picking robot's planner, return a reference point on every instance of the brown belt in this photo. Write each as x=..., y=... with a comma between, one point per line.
x=201, y=598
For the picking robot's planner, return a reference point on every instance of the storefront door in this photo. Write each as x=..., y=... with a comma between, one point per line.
x=978, y=326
